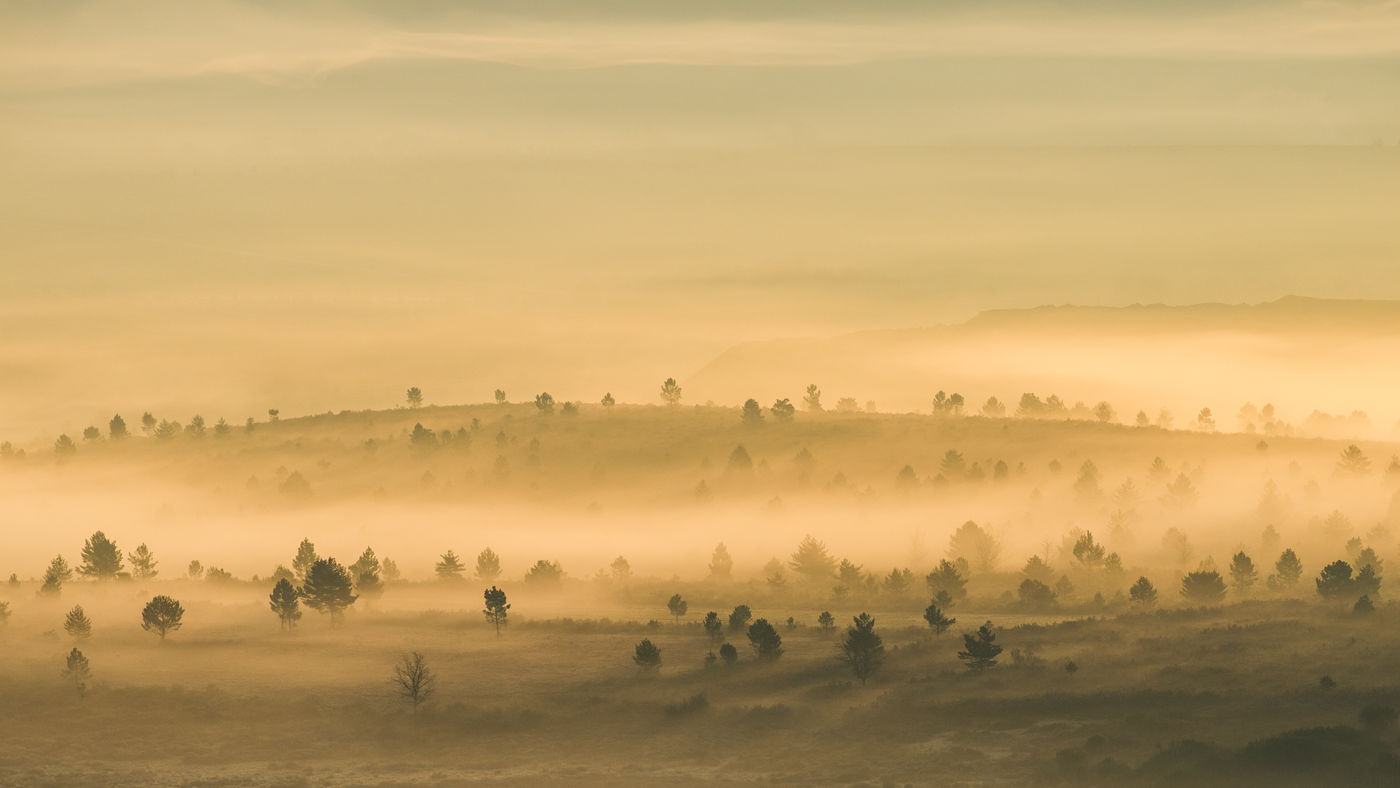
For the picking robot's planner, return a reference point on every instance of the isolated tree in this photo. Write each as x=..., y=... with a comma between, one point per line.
x=728, y=653
x=739, y=617
x=647, y=656
x=713, y=626
x=55, y=576
x=285, y=601
x=92, y=433
x=938, y=622
x=1087, y=552
x=826, y=621
x=1353, y=462
x=305, y=557
x=739, y=460
x=78, y=671
x=328, y=588
x=1203, y=587
x=1035, y=595
x=143, y=563
x=767, y=643
x=1143, y=594
x=1104, y=412
x=812, y=400
x=975, y=544
x=812, y=561
x=1335, y=581
x=861, y=648
x=64, y=447
x=544, y=403
x=545, y=574
x=1242, y=573
x=414, y=680
x=980, y=649
x=1288, y=570
x=671, y=392
x=500, y=396
x=162, y=615
x=488, y=566
x=116, y=428
x=196, y=426
x=783, y=410
x=148, y=423
x=195, y=570
x=101, y=558
x=993, y=408
x=415, y=397
x=77, y=624
x=752, y=413
x=721, y=564
x=450, y=568
x=497, y=608
x=677, y=606
x=222, y=428
x=620, y=570
x=948, y=579
x=608, y=400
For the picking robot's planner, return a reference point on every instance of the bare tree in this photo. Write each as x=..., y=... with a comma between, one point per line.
x=415, y=681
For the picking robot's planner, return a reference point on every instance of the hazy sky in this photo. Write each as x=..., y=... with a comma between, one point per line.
x=229, y=206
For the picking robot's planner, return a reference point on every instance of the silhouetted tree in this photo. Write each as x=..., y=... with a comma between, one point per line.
x=671, y=392
x=783, y=410
x=368, y=584
x=1354, y=462
x=64, y=447
x=415, y=397
x=497, y=608
x=195, y=570
x=1143, y=594
x=101, y=558
x=1104, y=412
x=1203, y=587
x=752, y=414
x=1363, y=606
x=414, y=680
x=544, y=403
x=767, y=643
x=143, y=563
x=729, y=654
x=162, y=615
x=390, y=571
x=1335, y=581
x=1035, y=595
x=739, y=618
x=328, y=588
x=273, y=415
x=980, y=649
x=545, y=574
x=116, y=428
x=285, y=601
x=647, y=656
x=79, y=671
x=826, y=621
x=488, y=566
x=1087, y=552
x=1242, y=573
x=450, y=568
x=812, y=561
x=92, y=433
x=677, y=606
x=713, y=626
x=1288, y=570
x=77, y=624
x=946, y=578
x=861, y=648
x=812, y=400
x=938, y=622
x=55, y=576
x=305, y=557
x=368, y=562
x=739, y=460
x=608, y=400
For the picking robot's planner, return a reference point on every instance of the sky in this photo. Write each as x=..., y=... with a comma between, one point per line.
x=228, y=206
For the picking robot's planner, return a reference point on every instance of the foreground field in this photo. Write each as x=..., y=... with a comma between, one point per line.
x=234, y=702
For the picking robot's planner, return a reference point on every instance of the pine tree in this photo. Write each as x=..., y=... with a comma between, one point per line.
x=713, y=626
x=980, y=649
x=305, y=557
x=77, y=624
x=497, y=609
x=488, y=565
x=55, y=576
x=862, y=649
x=328, y=588
x=767, y=643
x=1143, y=594
x=721, y=565
x=285, y=601
x=647, y=655
x=78, y=671
x=162, y=615
x=677, y=607
x=101, y=558
x=143, y=563
x=450, y=568
x=938, y=622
